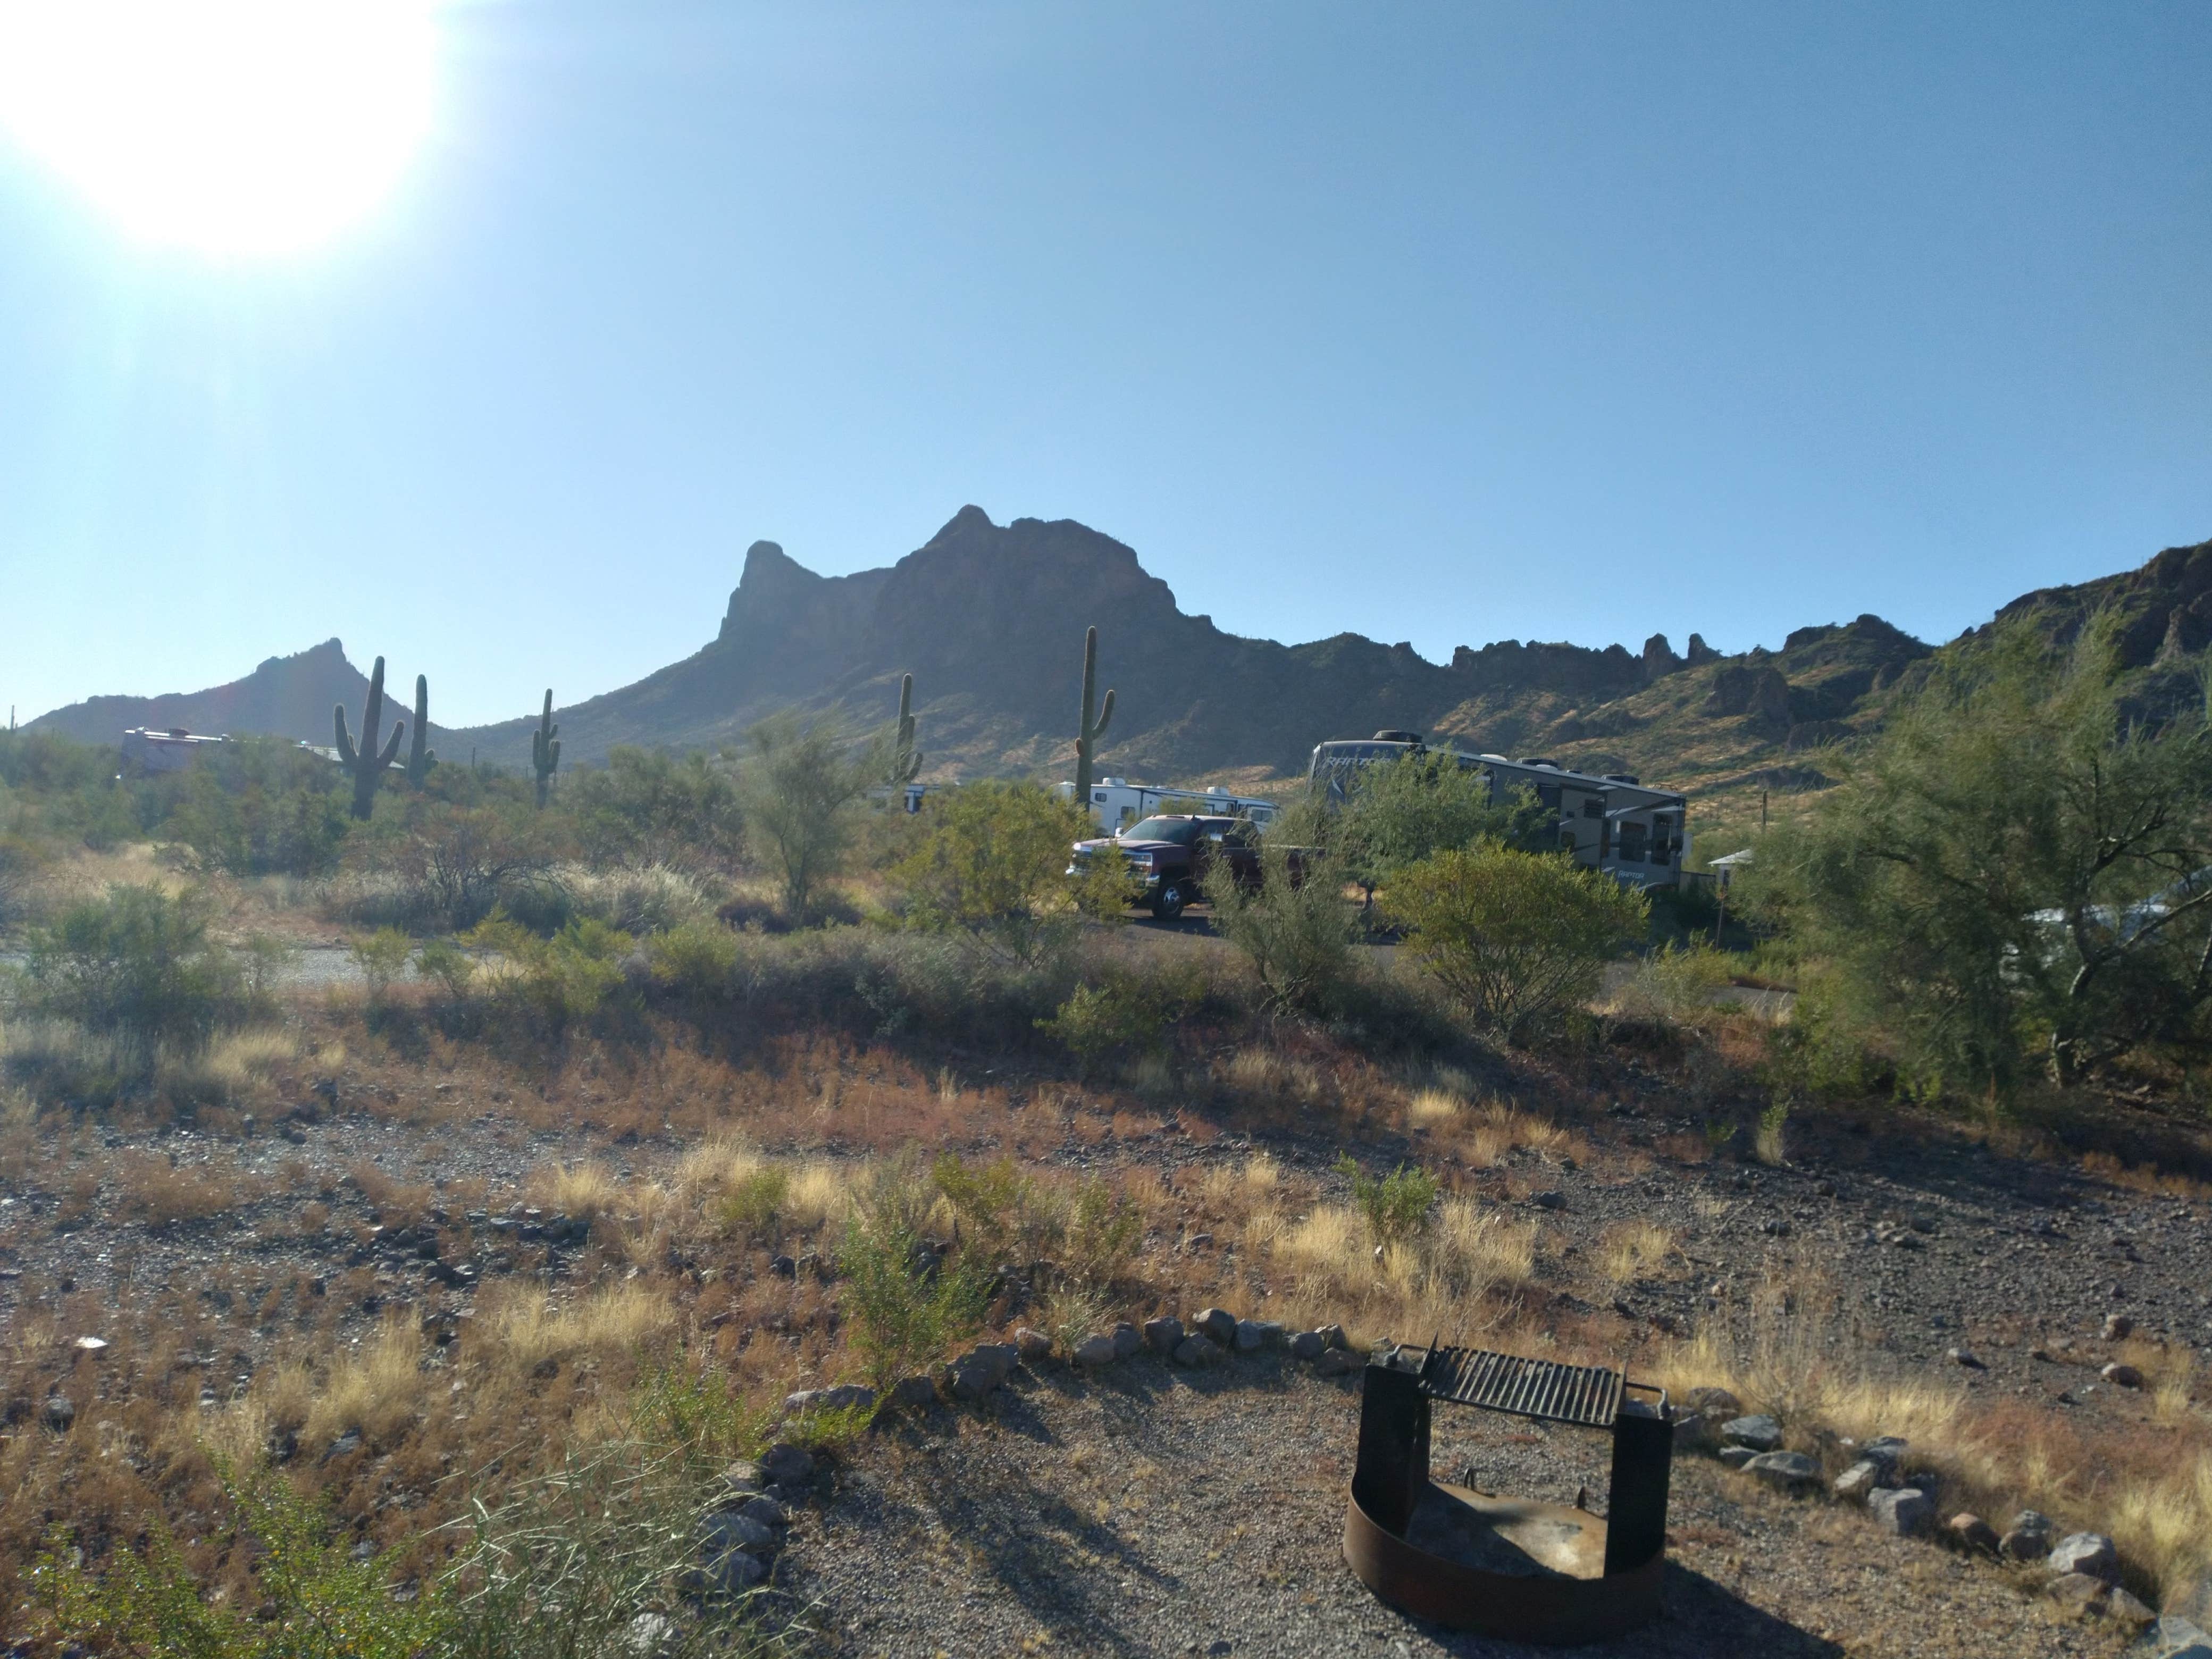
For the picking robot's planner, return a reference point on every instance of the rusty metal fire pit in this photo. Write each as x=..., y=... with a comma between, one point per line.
x=1509, y=1567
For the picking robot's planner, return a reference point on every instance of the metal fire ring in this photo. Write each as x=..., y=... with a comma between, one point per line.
x=1555, y=1575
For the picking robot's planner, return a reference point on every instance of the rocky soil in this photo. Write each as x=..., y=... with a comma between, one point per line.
x=1152, y=1510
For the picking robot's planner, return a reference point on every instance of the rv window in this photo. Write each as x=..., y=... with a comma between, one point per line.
x=1632, y=837
x=1593, y=809
x=1098, y=794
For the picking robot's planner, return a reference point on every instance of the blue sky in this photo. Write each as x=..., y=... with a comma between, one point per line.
x=1448, y=323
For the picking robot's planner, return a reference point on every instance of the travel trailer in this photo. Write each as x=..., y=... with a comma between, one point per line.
x=1612, y=822
x=1117, y=803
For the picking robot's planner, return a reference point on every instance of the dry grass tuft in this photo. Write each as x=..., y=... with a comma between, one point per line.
x=153, y=1192
x=1261, y=1072
x=1328, y=1246
x=1504, y=1128
x=820, y=1194
x=583, y=1190
x=1432, y=1108
x=525, y=1333
x=1477, y=1248
x=377, y=1389
x=1630, y=1250
x=237, y=1060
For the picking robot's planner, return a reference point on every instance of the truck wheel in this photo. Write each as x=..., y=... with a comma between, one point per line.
x=1168, y=902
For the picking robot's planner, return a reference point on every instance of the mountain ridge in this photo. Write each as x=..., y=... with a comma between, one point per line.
x=989, y=619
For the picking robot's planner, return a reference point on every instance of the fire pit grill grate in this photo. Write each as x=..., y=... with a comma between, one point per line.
x=1588, y=1396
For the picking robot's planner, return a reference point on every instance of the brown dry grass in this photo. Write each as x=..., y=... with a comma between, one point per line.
x=149, y=1189
x=2150, y=1491
x=1630, y=1250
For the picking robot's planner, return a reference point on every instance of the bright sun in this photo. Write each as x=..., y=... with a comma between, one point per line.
x=230, y=126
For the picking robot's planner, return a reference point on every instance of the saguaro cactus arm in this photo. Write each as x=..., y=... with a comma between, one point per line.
x=421, y=758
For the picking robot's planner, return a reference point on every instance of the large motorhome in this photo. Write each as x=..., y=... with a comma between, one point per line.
x=1117, y=803
x=1611, y=823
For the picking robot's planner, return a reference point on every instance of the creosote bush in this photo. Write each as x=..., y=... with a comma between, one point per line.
x=1519, y=939
x=1295, y=929
x=1396, y=1208
x=136, y=966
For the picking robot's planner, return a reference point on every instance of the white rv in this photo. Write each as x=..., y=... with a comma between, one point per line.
x=1117, y=803
x=1614, y=823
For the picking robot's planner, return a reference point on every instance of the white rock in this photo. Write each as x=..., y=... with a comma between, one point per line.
x=1095, y=1351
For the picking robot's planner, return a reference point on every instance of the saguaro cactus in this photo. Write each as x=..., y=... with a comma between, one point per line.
x=364, y=763
x=906, y=759
x=420, y=758
x=546, y=747
x=1088, y=734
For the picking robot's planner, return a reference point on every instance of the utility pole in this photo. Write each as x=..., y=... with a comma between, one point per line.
x=1762, y=811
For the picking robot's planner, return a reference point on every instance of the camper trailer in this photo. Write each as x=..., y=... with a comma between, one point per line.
x=175, y=750
x=1117, y=803
x=1612, y=822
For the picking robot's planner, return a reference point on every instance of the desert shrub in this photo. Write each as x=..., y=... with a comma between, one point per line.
x=2013, y=871
x=310, y=1596
x=696, y=959
x=691, y=1412
x=22, y=861
x=382, y=958
x=646, y=808
x=1004, y=1215
x=1127, y=1013
x=260, y=806
x=754, y=1203
x=571, y=978
x=904, y=1307
x=1677, y=981
x=799, y=790
x=1396, y=1208
x=1100, y=1235
x=59, y=1062
x=436, y=862
x=1106, y=886
x=1397, y=814
x=993, y=863
x=445, y=965
x=650, y=898
x=137, y=965
x=1519, y=938
x=1297, y=934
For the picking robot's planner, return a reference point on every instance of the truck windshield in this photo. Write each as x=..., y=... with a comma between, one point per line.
x=1180, y=831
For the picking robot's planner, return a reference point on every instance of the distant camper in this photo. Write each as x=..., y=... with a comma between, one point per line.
x=1614, y=823
x=145, y=750
x=1117, y=803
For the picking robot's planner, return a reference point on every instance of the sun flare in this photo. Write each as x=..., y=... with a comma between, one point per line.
x=230, y=126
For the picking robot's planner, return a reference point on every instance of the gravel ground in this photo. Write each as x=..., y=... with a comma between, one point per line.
x=1154, y=1511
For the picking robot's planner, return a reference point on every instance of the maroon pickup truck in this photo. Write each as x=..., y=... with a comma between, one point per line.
x=1170, y=857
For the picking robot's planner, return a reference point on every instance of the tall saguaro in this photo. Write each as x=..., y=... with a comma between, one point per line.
x=546, y=748
x=1090, y=731
x=906, y=759
x=363, y=764
x=420, y=756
